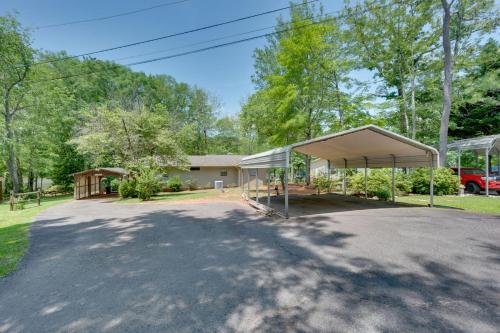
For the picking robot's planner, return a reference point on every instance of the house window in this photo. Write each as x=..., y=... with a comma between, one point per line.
x=194, y=168
x=223, y=173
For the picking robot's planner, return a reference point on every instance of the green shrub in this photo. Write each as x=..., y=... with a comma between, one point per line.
x=378, y=180
x=382, y=194
x=127, y=189
x=57, y=189
x=115, y=185
x=403, y=183
x=420, y=180
x=191, y=184
x=445, y=182
x=323, y=183
x=147, y=185
x=357, y=183
x=175, y=183
x=20, y=203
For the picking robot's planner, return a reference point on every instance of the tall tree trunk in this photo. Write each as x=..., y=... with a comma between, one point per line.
x=31, y=179
x=413, y=109
x=308, y=169
x=308, y=137
x=20, y=174
x=448, y=67
x=339, y=104
x=405, y=123
x=11, y=160
x=205, y=137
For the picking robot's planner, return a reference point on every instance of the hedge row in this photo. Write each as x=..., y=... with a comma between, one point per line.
x=380, y=182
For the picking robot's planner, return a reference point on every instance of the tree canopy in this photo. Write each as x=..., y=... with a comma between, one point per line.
x=61, y=114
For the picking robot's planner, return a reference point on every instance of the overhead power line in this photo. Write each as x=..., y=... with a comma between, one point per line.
x=239, y=41
x=213, y=46
x=174, y=34
x=103, y=18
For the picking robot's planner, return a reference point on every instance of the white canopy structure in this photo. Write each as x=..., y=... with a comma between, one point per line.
x=364, y=147
x=487, y=144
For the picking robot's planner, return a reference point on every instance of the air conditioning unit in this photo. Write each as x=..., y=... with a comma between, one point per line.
x=219, y=185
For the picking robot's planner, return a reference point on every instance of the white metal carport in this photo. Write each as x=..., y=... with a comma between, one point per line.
x=364, y=147
x=486, y=144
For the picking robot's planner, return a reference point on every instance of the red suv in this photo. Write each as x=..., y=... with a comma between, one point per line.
x=474, y=180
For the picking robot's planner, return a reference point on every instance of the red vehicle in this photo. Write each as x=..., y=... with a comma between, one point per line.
x=474, y=180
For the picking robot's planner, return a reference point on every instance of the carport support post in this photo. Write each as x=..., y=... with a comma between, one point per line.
x=431, y=204
x=268, y=188
x=487, y=160
x=366, y=178
x=459, y=166
x=393, y=179
x=257, y=185
x=344, y=182
x=329, y=175
x=498, y=162
x=248, y=184
x=287, y=163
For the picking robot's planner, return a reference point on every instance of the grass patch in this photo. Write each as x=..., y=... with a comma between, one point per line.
x=167, y=196
x=14, y=228
x=473, y=203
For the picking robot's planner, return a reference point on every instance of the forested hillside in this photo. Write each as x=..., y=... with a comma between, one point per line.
x=425, y=68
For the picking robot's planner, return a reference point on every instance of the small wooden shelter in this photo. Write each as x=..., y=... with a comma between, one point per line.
x=88, y=183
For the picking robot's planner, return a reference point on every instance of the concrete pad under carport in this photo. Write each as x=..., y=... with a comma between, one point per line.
x=311, y=204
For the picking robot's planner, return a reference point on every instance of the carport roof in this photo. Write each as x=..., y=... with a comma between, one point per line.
x=369, y=146
x=491, y=142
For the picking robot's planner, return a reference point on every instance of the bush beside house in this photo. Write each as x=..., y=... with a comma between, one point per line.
x=146, y=184
x=175, y=184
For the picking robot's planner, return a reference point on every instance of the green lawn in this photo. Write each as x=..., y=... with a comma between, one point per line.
x=479, y=204
x=166, y=196
x=14, y=228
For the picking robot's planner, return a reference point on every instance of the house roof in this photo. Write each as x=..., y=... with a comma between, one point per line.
x=103, y=171
x=215, y=160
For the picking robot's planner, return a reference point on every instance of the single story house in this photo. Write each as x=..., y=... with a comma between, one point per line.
x=319, y=167
x=204, y=170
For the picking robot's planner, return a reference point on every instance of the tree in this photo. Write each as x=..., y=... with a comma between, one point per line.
x=15, y=66
x=477, y=110
x=298, y=76
x=226, y=138
x=113, y=136
x=462, y=20
x=392, y=38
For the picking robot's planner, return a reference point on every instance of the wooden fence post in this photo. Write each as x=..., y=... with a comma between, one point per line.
x=11, y=200
x=1, y=191
x=38, y=195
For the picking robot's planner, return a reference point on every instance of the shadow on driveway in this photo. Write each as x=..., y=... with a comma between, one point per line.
x=218, y=267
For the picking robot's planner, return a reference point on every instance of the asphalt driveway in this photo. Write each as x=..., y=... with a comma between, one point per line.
x=95, y=266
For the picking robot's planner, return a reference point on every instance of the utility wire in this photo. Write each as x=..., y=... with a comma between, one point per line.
x=211, y=47
x=103, y=18
x=192, y=44
x=239, y=41
x=175, y=34
x=210, y=40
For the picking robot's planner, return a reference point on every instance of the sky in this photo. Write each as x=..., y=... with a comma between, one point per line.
x=224, y=72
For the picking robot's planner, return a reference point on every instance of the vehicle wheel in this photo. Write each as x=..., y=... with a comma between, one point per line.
x=498, y=192
x=473, y=188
